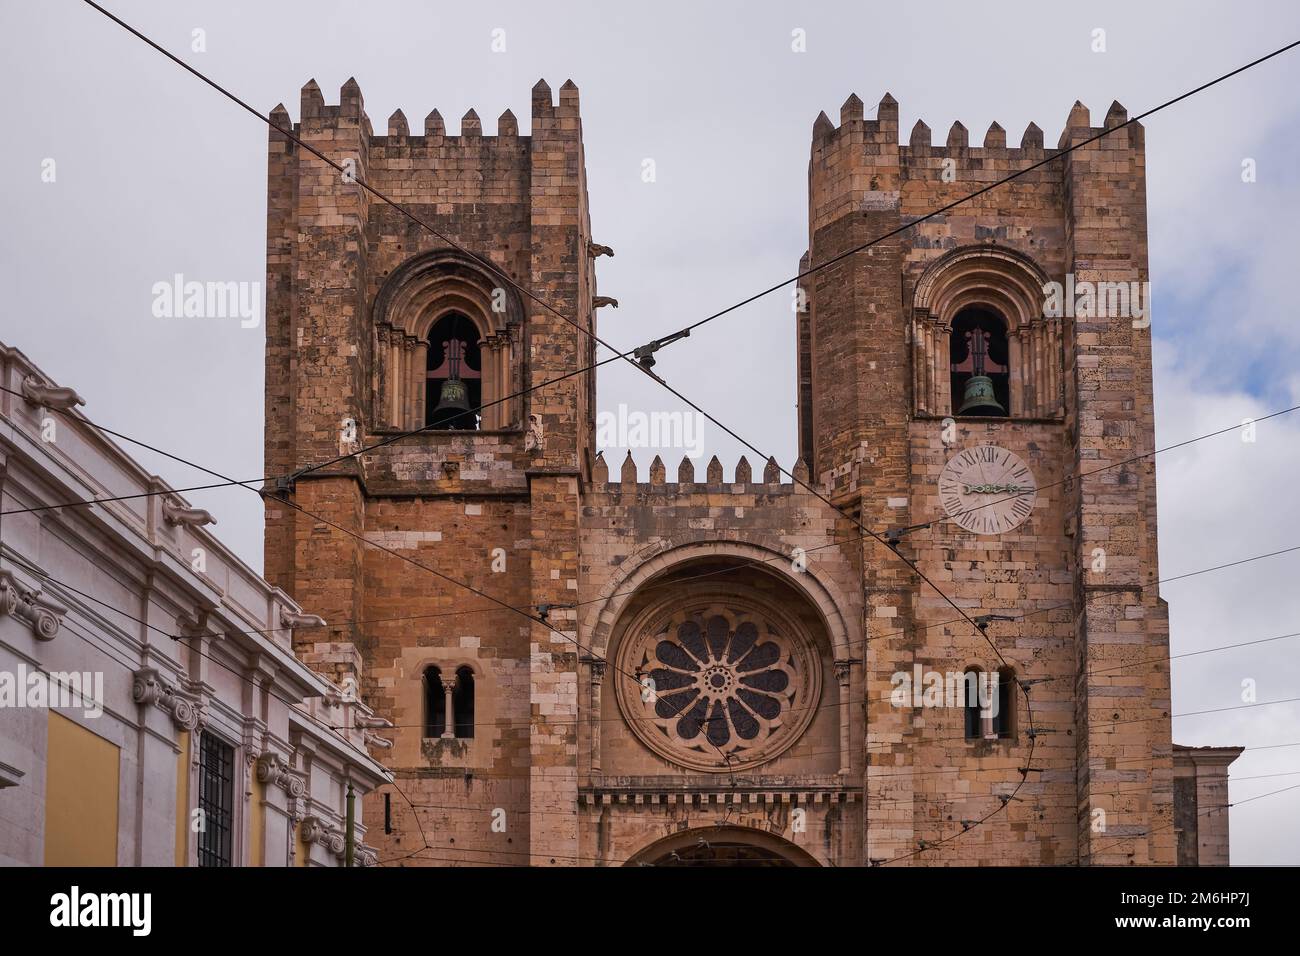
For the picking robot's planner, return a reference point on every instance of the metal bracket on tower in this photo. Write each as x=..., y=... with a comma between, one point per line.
x=645, y=354
x=894, y=536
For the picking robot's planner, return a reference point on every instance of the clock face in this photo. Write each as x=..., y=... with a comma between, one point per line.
x=987, y=489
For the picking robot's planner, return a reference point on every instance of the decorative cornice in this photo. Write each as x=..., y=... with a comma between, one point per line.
x=41, y=614
x=149, y=687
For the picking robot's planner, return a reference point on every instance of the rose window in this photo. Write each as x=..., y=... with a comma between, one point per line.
x=721, y=686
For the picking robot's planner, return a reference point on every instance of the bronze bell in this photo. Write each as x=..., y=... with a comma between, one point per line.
x=453, y=401
x=978, y=397
x=453, y=398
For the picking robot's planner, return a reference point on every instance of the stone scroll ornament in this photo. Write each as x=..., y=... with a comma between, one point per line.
x=150, y=689
x=730, y=685
x=40, y=613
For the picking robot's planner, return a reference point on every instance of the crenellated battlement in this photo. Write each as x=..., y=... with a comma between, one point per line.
x=315, y=116
x=855, y=129
x=772, y=481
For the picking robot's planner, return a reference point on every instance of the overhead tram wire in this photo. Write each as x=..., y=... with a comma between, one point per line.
x=487, y=263
x=501, y=605
x=1044, y=680
x=289, y=476
x=1024, y=771
x=686, y=330
x=539, y=619
x=675, y=581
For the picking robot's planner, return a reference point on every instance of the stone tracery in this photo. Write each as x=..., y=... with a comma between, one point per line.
x=726, y=682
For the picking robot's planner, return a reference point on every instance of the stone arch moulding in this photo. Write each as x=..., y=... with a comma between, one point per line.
x=1009, y=283
x=832, y=604
x=657, y=848
x=415, y=296
x=662, y=556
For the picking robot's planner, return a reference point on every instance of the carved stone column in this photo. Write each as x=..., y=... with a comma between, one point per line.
x=597, y=678
x=1017, y=355
x=943, y=376
x=448, y=687
x=421, y=360
x=414, y=379
x=383, y=374
x=395, y=378
x=843, y=674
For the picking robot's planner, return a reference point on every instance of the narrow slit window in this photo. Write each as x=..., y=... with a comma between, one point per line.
x=462, y=702
x=435, y=703
x=1004, y=721
x=973, y=711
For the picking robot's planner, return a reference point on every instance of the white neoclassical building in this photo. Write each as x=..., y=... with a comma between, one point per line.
x=152, y=712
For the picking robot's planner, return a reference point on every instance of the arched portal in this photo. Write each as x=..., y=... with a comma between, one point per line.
x=722, y=846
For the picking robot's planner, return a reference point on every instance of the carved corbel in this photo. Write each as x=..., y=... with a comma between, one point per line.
x=150, y=688
x=43, y=615
x=316, y=830
x=271, y=771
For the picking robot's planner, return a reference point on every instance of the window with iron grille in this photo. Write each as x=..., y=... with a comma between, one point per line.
x=216, y=800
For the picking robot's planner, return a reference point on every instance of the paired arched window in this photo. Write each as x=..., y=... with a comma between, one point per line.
x=454, y=379
x=449, y=703
x=989, y=705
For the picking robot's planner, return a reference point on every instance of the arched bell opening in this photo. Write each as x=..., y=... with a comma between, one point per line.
x=980, y=363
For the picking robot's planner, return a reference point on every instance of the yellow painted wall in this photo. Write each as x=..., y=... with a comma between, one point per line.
x=300, y=849
x=183, y=799
x=81, y=781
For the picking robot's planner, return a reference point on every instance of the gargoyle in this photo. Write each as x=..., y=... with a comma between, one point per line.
x=175, y=514
x=600, y=301
x=595, y=250
x=292, y=619
x=48, y=396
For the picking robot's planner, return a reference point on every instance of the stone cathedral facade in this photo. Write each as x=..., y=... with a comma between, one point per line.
x=723, y=667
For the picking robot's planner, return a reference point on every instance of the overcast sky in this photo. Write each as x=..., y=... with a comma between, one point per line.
x=156, y=174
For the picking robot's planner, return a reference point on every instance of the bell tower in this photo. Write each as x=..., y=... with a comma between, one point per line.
x=419, y=342
x=944, y=390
